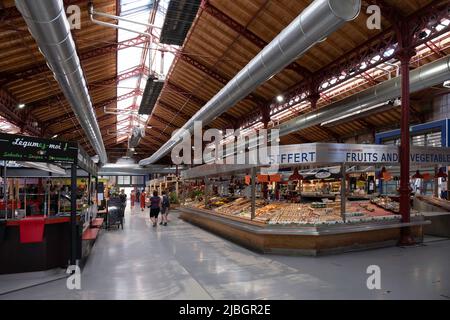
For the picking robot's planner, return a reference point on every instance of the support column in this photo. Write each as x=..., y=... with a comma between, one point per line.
x=89, y=188
x=405, y=55
x=5, y=189
x=265, y=119
x=343, y=191
x=436, y=182
x=448, y=183
x=253, y=193
x=73, y=215
x=96, y=191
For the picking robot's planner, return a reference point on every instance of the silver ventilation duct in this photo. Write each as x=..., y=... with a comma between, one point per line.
x=49, y=26
x=315, y=23
x=135, y=169
x=421, y=78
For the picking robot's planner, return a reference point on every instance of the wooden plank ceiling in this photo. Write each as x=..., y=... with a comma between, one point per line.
x=225, y=36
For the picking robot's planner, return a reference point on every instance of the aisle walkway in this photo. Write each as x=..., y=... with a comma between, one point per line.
x=181, y=261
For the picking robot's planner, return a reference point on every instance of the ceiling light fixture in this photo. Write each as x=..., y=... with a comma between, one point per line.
x=21, y=105
x=280, y=98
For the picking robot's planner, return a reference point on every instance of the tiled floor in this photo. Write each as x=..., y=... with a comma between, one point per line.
x=181, y=261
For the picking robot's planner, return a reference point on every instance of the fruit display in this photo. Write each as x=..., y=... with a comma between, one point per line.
x=240, y=207
x=316, y=213
x=441, y=203
x=387, y=204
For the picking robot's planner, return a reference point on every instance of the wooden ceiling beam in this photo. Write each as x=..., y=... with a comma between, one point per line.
x=189, y=96
x=29, y=72
x=209, y=8
x=21, y=118
x=70, y=115
x=97, y=85
x=220, y=78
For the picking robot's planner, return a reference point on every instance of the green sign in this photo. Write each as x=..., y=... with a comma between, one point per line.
x=23, y=148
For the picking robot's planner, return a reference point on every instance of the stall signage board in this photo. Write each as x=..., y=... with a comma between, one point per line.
x=23, y=148
x=356, y=154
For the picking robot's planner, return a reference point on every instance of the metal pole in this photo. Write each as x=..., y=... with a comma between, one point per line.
x=89, y=188
x=405, y=57
x=73, y=215
x=343, y=191
x=206, y=191
x=253, y=190
x=436, y=181
x=5, y=193
x=25, y=195
x=448, y=184
x=96, y=190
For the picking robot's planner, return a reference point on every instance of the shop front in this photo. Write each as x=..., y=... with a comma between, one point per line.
x=323, y=198
x=48, y=203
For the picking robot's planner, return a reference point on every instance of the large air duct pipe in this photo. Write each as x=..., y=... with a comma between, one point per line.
x=50, y=28
x=315, y=23
x=135, y=169
x=421, y=78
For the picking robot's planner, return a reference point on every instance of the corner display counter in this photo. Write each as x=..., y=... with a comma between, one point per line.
x=231, y=201
x=304, y=240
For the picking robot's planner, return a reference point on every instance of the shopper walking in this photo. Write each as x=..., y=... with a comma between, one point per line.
x=155, y=206
x=165, y=206
x=123, y=198
x=132, y=198
x=142, y=198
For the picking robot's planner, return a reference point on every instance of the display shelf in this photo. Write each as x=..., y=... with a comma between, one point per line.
x=303, y=240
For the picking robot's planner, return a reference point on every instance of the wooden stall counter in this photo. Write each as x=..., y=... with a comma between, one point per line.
x=52, y=250
x=303, y=240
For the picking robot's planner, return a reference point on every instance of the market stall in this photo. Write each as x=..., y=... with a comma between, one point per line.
x=49, y=203
x=232, y=200
x=169, y=183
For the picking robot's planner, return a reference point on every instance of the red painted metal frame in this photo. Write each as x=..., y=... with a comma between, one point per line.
x=187, y=95
x=27, y=73
x=215, y=75
x=249, y=35
x=384, y=45
x=48, y=101
x=66, y=117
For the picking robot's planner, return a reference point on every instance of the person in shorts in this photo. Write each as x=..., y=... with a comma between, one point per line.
x=165, y=206
x=155, y=206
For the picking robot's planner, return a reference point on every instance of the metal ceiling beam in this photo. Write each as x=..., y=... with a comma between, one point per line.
x=182, y=92
x=70, y=116
x=348, y=66
x=10, y=13
x=173, y=110
x=77, y=133
x=29, y=72
x=330, y=133
x=302, y=138
x=220, y=78
x=164, y=122
x=246, y=33
x=51, y=100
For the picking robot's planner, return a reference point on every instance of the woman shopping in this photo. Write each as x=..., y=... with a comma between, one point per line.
x=155, y=206
x=142, y=198
x=165, y=206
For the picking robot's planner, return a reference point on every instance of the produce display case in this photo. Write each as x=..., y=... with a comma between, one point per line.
x=329, y=222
